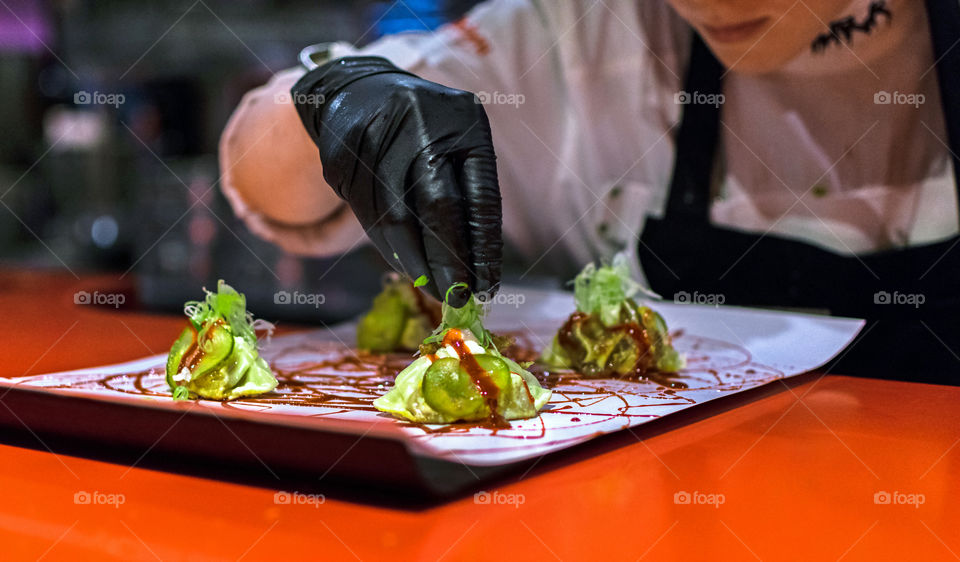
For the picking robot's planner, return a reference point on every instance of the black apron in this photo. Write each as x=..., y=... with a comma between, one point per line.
x=684, y=252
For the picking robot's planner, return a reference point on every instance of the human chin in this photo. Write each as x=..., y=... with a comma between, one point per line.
x=755, y=58
x=761, y=45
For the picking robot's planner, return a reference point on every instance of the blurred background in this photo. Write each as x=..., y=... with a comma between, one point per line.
x=111, y=113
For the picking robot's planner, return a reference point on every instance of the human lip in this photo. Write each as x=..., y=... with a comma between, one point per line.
x=736, y=32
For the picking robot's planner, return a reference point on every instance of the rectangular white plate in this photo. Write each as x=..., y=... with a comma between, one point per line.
x=729, y=350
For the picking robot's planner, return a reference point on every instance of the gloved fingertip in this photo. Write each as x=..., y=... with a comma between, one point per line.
x=458, y=296
x=487, y=279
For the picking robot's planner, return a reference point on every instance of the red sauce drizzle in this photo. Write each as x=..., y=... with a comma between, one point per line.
x=488, y=389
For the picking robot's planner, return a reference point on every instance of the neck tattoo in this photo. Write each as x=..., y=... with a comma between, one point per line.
x=842, y=30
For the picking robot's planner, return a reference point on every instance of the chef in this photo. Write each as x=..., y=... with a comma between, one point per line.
x=783, y=153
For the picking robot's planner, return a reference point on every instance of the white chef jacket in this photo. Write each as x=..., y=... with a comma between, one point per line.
x=583, y=100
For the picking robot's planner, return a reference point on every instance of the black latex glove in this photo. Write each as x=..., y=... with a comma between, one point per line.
x=415, y=162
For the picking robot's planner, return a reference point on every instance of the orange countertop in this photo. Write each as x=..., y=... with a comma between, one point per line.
x=832, y=468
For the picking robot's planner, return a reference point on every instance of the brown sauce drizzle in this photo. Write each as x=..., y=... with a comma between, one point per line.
x=304, y=385
x=529, y=394
x=565, y=334
x=488, y=389
x=196, y=351
x=347, y=381
x=668, y=380
x=309, y=385
x=642, y=369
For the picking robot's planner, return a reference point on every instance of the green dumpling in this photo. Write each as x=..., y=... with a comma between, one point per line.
x=399, y=319
x=424, y=393
x=611, y=335
x=462, y=376
x=216, y=355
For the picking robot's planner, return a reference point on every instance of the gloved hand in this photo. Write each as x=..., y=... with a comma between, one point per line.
x=415, y=162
